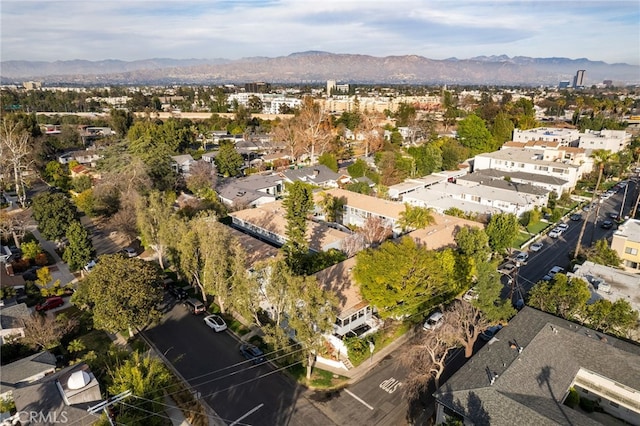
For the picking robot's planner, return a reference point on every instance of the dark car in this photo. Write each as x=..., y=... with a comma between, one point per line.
x=607, y=224
x=177, y=292
x=252, y=353
x=50, y=303
x=575, y=216
x=31, y=274
x=195, y=306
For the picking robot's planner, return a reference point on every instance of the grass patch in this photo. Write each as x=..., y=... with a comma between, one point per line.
x=536, y=228
x=322, y=379
x=522, y=238
x=97, y=341
x=236, y=325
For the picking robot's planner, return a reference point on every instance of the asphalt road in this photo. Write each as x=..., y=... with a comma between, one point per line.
x=236, y=389
x=556, y=251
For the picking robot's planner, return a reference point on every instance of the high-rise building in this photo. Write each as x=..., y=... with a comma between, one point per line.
x=578, y=80
x=331, y=87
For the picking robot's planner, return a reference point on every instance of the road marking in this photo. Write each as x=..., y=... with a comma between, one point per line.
x=390, y=385
x=248, y=413
x=359, y=400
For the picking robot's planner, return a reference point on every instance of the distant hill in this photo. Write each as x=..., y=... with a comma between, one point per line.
x=316, y=66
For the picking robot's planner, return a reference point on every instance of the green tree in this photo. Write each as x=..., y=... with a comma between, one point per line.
x=79, y=250
x=146, y=377
x=473, y=134
x=358, y=168
x=561, y=296
x=415, y=217
x=81, y=183
x=502, y=231
x=502, y=129
x=124, y=292
x=602, y=254
x=331, y=206
x=121, y=121
x=30, y=250
x=153, y=215
x=473, y=246
x=86, y=202
x=329, y=160
x=489, y=287
x=228, y=161
x=402, y=278
x=298, y=204
x=427, y=159
x=57, y=175
x=76, y=346
x=312, y=316
x=53, y=212
x=618, y=317
x=453, y=153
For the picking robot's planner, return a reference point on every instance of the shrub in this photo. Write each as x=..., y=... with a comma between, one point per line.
x=30, y=250
x=573, y=399
x=358, y=349
x=587, y=405
x=42, y=259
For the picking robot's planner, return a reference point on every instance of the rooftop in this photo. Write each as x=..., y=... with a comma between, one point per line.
x=630, y=230
x=256, y=250
x=619, y=284
x=378, y=206
x=532, y=384
x=529, y=156
x=514, y=175
x=339, y=280
x=23, y=369
x=442, y=233
x=483, y=179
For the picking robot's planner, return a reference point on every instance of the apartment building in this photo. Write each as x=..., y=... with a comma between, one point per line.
x=626, y=242
x=565, y=137
x=610, y=140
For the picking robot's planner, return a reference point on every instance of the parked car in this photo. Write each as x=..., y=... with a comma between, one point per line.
x=589, y=207
x=252, y=353
x=470, y=295
x=522, y=257
x=195, y=306
x=129, y=252
x=607, y=224
x=575, y=217
x=536, y=247
x=31, y=274
x=433, y=322
x=490, y=332
x=555, y=233
x=563, y=226
x=177, y=292
x=89, y=266
x=507, y=268
x=615, y=216
x=552, y=273
x=50, y=303
x=216, y=323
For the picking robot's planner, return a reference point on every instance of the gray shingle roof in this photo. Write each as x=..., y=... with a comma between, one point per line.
x=318, y=174
x=532, y=384
x=524, y=176
x=16, y=372
x=13, y=316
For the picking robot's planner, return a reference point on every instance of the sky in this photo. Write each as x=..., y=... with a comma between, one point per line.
x=180, y=29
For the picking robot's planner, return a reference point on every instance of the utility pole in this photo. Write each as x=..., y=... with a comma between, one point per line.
x=104, y=405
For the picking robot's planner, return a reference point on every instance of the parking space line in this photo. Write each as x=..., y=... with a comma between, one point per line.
x=358, y=399
x=247, y=414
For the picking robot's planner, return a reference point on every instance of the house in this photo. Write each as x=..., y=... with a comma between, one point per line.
x=181, y=163
x=358, y=207
x=26, y=370
x=63, y=397
x=268, y=222
x=319, y=175
x=256, y=250
x=549, y=183
x=88, y=157
x=441, y=234
x=609, y=283
x=626, y=242
x=12, y=319
x=251, y=191
x=524, y=374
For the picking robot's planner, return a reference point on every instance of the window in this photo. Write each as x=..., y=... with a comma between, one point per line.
x=556, y=170
x=631, y=250
x=475, y=198
x=521, y=165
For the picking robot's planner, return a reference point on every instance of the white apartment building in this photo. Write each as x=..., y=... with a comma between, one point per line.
x=610, y=140
x=565, y=137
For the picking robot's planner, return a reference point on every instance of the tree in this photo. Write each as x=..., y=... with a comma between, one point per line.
x=502, y=231
x=489, y=289
x=467, y=322
x=602, y=254
x=202, y=178
x=427, y=159
x=473, y=247
x=15, y=156
x=153, y=214
x=286, y=132
x=618, y=317
x=124, y=292
x=79, y=249
x=311, y=316
x=81, y=183
x=331, y=206
x=402, y=278
x=415, y=217
x=228, y=161
x=56, y=174
x=502, y=129
x=147, y=378
x=313, y=128
x=329, y=160
x=53, y=212
x=374, y=231
x=45, y=331
x=601, y=157
x=298, y=204
x=473, y=134
x=562, y=296
x=76, y=346
x=453, y=153
x=30, y=250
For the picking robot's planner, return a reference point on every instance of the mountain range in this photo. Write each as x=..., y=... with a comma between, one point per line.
x=317, y=67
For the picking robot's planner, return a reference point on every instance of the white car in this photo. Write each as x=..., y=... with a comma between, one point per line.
x=522, y=257
x=470, y=295
x=434, y=321
x=536, y=247
x=216, y=323
x=555, y=233
x=563, y=226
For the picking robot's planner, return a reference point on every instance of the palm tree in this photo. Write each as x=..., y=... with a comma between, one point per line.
x=415, y=217
x=601, y=157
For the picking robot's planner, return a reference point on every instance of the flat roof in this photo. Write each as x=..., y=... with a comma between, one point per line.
x=530, y=156
x=442, y=233
x=629, y=229
x=378, y=206
x=622, y=285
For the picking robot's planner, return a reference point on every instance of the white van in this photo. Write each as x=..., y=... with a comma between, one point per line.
x=434, y=321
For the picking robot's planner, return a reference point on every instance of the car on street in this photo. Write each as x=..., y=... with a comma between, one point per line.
x=89, y=266
x=536, y=247
x=216, y=323
x=177, y=292
x=555, y=232
x=589, y=207
x=252, y=353
x=507, y=268
x=575, y=217
x=195, y=306
x=434, y=321
x=552, y=273
x=607, y=224
x=615, y=216
x=522, y=257
x=563, y=226
x=50, y=303
x=129, y=252
x=490, y=332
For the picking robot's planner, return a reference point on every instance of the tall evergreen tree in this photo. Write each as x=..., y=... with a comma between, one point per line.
x=299, y=203
x=79, y=249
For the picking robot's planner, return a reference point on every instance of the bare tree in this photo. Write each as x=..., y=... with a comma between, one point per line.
x=313, y=128
x=45, y=331
x=202, y=177
x=14, y=224
x=467, y=322
x=287, y=133
x=369, y=128
x=15, y=156
x=353, y=243
x=375, y=230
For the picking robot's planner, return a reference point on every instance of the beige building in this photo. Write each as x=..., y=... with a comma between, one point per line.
x=626, y=242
